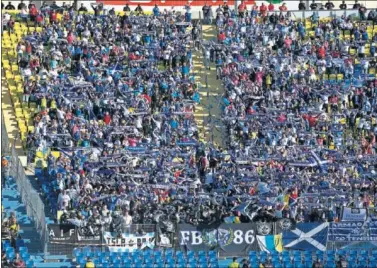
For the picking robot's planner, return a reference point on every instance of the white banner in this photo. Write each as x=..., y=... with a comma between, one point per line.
x=129, y=242
x=354, y=214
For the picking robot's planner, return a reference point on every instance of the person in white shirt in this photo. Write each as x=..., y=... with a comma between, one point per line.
x=127, y=221
x=63, y=200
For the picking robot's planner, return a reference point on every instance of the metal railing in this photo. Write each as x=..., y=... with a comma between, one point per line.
x=30, y=197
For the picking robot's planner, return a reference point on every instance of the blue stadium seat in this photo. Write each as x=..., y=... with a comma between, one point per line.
x=76, y=252
x=297, y=263
x=22, y=249
x=362, y=264
x=29, y=263
x=202, y=253
x=190, y=254
x=169, y=265
x=25, y=256
x=330, y=258
x=148, y=264
x=252, y=253
x=341, y=252
x=286, y=258
x=10, y=255
x=212, y=253
x=82, y=262
x=308, y=263
x=275, y=254
x=330, y=264
x=157, y=253
x=263, y=254
x=275, y=259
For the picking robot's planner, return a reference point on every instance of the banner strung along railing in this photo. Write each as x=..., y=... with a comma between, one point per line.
x=226, y=239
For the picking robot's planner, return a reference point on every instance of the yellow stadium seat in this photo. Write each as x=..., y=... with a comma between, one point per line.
x=325, y=77
x=352, y=52
x=39, y=154
x=340, y=77
x=55, y=154
x=332, y=77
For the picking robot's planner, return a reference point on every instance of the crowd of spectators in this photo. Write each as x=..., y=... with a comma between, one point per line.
x=116, y=95
x=300, y=104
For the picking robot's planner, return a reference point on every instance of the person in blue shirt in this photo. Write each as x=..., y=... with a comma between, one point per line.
x=301, y=30
x=185, y=70
x=219, y=64
x=356, y=34
x=365, y=36
x=156, y=11
x=173, y=123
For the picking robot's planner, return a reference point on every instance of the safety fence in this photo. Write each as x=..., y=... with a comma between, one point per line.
x=227, y=239
x=35, y=208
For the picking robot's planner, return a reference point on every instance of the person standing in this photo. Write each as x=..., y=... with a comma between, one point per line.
x=343, y=5
x=21, y=5
x=329, y=5
x=301, y=5
x=313, y=5
x=362, y=12
x=356, y=5
x=10, y=6
x=234, y=263
x=4, y=172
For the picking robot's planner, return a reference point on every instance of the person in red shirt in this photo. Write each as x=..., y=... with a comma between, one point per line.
x=39, y=19
x=70, y=37
x=132, y=142
x=312, y=120
x=283, y=7
x=322, y=52
x=271, y=7
x=263, y=9
x=107, y=119
x=221, y=37
x=33, y=12
x=53, y=17
x=28, y=48
x=288, y=42
x=241, y=9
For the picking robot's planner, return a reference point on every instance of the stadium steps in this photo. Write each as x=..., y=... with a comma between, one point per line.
x=210, y=127
x=10, y=116
x=12, y=202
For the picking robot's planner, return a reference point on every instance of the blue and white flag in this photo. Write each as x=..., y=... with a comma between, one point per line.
x=129, y=242
x=306, y=236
